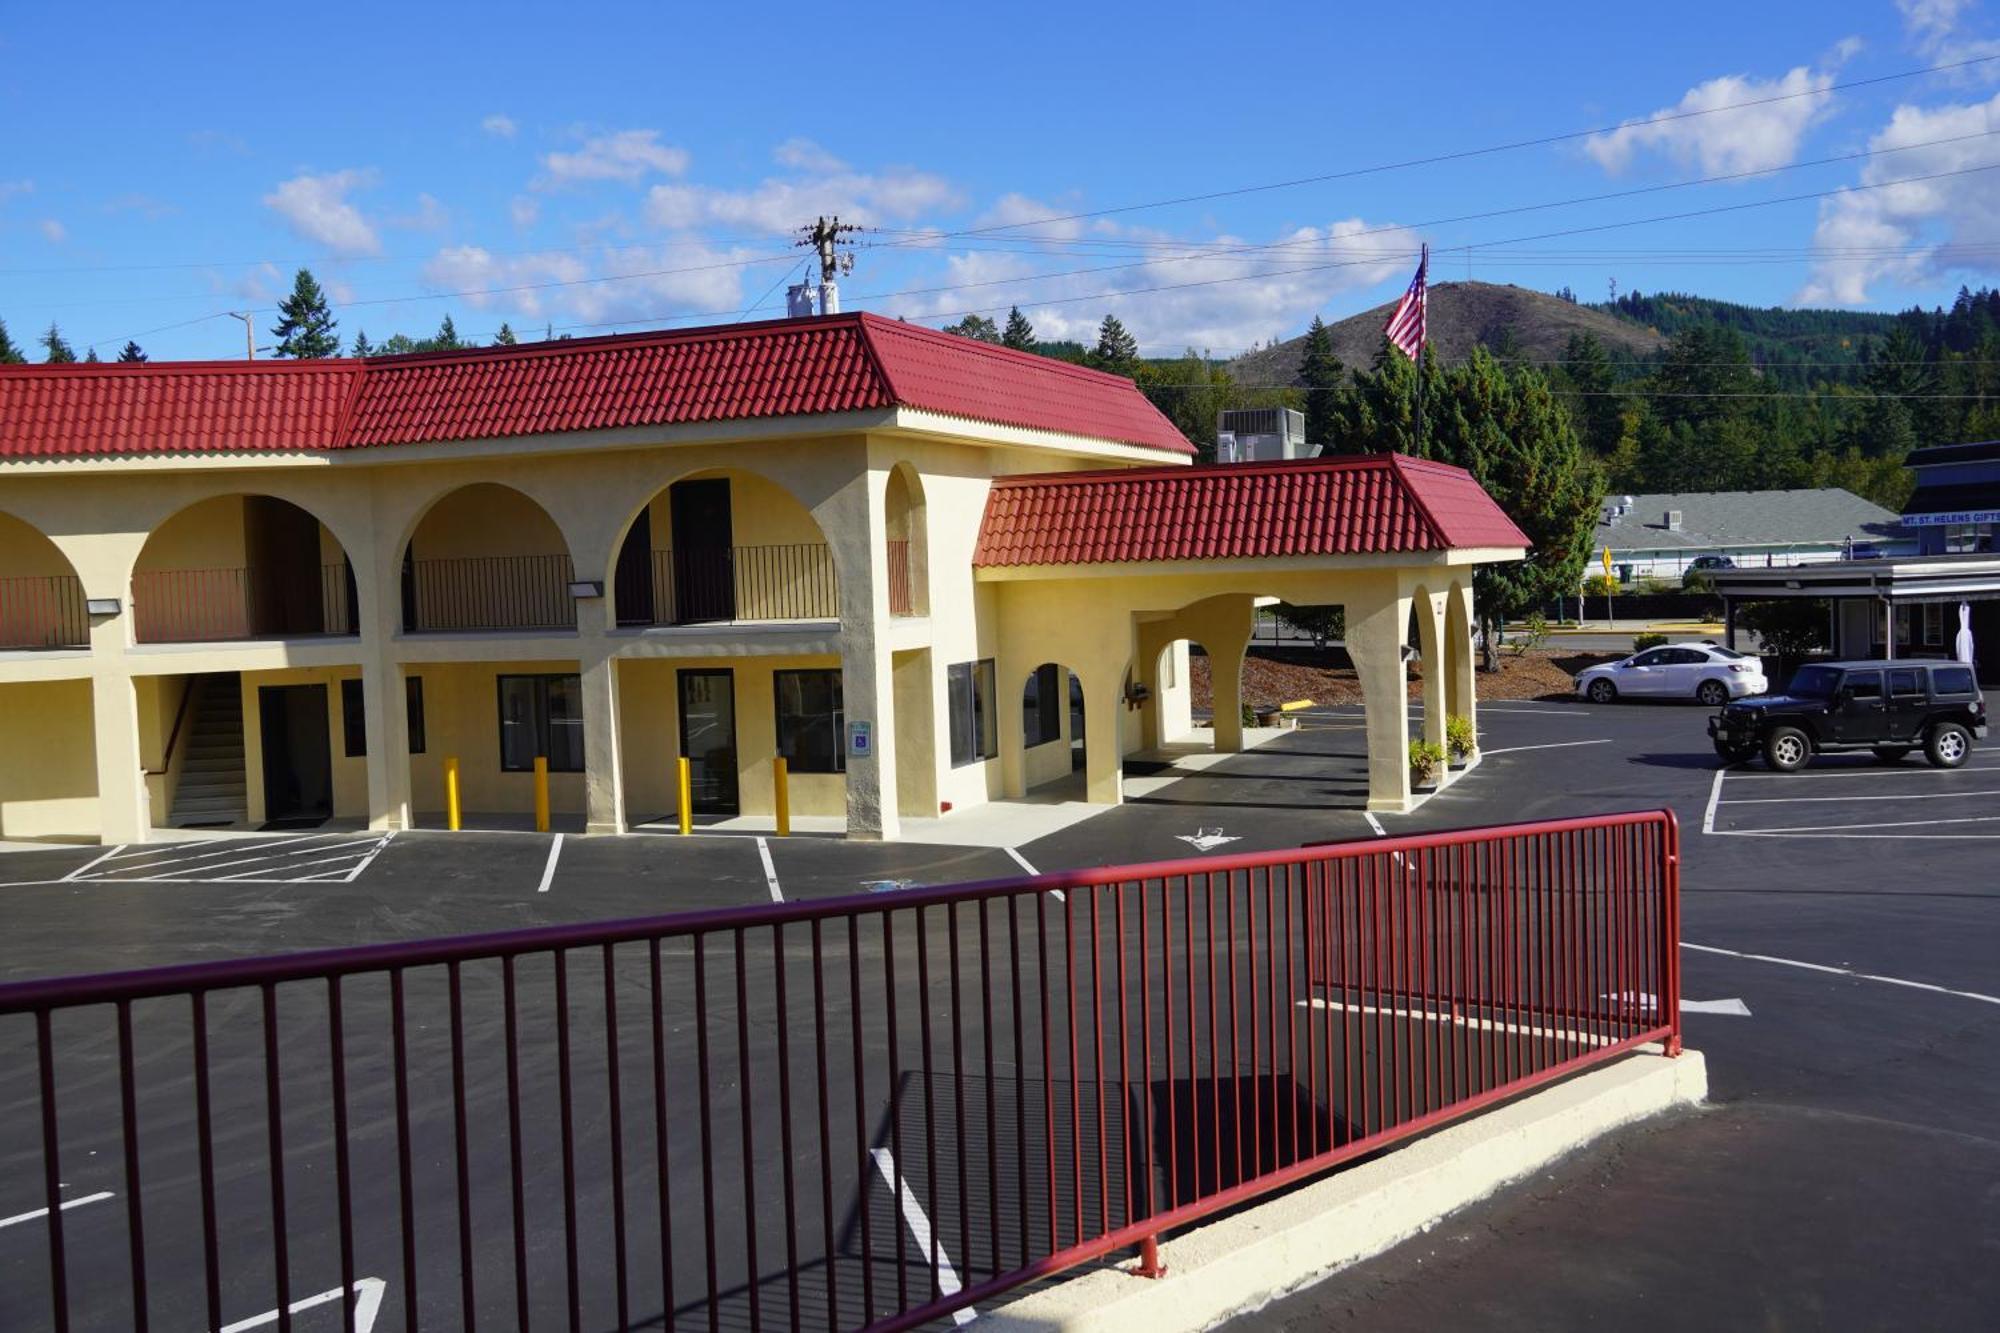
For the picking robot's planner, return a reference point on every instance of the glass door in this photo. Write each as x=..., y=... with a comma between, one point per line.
x=708, y=738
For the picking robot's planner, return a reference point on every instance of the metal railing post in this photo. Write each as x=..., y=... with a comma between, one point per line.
x=781, y=795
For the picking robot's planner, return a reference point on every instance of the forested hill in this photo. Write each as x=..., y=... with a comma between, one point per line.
x=1774, y=335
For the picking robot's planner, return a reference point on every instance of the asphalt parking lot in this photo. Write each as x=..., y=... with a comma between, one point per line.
x=1840, y=927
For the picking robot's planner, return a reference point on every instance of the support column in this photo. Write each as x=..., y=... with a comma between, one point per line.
x=1429, y=608
x=1103, y=709
x=124, y=814
x=1222, y=625
x=1012, y=683
x=1377, y=614
x=603, y=765
x=384, y=697
x=1462, y=688
x=854, y=523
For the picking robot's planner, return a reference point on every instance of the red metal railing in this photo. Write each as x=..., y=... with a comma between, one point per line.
x=43, y=611
x=731, y=585
x=489, y=593
x=870, y=1111
x=204, y=605
x=901, y=603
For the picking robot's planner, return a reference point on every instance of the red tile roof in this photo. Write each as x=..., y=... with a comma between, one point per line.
x=837, y=363
x=1339, y=506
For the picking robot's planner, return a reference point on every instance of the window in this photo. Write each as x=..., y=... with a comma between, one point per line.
x=541, y=715
x=1952, y=680
x=1933, y=624
x=353, y=718
x=413, y=705
x=1686, y=657
x=1654, y=657
x=973, y=733
x=810, y=721
x=1041, y=706
x=1904, y=684
x=1863, y=684
x=1813, y=682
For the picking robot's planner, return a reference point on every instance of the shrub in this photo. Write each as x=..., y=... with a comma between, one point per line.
x=1601, y=585
x=1459, y=738
x=1698, y=580
x=1641, y=642
x=1653, y=585
x=1249, y=716
x=1788, y=630
x=1425, y=760
x=1534, y=633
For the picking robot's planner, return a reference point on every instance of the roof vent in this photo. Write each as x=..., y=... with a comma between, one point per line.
x=1673, y=520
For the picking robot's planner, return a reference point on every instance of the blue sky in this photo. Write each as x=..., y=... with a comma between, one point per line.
x=603, y=167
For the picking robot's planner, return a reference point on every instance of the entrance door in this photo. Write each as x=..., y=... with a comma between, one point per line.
x=298, y=752
x=708, y=738
x=704, y=575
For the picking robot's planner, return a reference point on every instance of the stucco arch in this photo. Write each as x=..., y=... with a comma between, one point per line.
x=1427, y=610
x=906, y=520
x=41, y=597
x=1051, y=708
x=1461, y=694
x=781, y=566
x=241, y=564
x=485, y=555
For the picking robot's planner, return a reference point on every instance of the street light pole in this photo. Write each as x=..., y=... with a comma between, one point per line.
x=249, y=334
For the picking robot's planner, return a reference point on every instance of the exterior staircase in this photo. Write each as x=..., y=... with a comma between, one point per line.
x=211, y=788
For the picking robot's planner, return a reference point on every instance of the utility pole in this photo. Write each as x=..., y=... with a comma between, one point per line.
x=825, y=239
x=249, y=334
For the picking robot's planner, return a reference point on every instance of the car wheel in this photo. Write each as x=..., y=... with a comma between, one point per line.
x=1891, y=754
x=1712, y=692
x=1787, y=749
x=1948, y=746
x=1601, y=691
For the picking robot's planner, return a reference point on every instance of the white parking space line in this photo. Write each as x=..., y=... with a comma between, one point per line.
x=1551, y=745
x=1021, y=861
x=770, y=871
x=1375, y=823
x=97, y=860
x=1714, y=799
x=280, y=863
x=1827, y=775
x=367, y=1305
x=1892, y=796
x=1835, y=828
x=549, y=868
x=920, y=1230
x=186, y=853
x=1845, y=972
x=65, y=1205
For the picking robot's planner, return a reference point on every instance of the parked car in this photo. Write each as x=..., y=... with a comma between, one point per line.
x=1699, y=671
x=1699, y=575
x=1891, y=708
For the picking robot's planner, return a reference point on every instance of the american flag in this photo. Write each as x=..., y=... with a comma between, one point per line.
x=1406, y=323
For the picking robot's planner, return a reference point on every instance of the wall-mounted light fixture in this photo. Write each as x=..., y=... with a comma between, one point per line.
x=1408, y=653
x=101, y=606
x=586, y=588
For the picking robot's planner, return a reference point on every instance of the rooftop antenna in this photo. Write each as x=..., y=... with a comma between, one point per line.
x=825, y=237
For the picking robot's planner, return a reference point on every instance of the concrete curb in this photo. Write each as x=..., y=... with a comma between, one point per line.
x=1242, y=1262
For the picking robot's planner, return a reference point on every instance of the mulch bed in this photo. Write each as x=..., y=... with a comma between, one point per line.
x=1273, y=677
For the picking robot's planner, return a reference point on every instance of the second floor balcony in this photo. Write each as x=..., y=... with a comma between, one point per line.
x=43, y=611
x=253, y=602
x=727, y=585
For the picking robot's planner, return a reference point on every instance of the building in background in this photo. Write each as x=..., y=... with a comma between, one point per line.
x=1661, y=536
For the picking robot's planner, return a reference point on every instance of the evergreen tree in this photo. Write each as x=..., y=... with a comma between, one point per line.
x=1019, y=333
x=305, y=321
x=1321, y=373
x=91, y=357
x=505, y=338
x=59, y=352
x=362, y=347
x=976, y=327
x=446, y=339
x=1116, y=350
x=1597, y=406
x=10, y=351
x=131, y=352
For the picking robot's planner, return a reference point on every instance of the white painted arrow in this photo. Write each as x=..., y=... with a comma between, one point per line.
x=1647, y=1000
x=1204, y=839
x=368, y=1293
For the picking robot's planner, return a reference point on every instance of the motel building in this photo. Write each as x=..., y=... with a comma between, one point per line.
x=929, y=572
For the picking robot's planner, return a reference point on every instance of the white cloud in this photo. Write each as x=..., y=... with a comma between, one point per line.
x=1933, y=29
x=430, y=215
x=8, y=189
x=524, y=210
x=805, y=155
x=1222, y=294
x=623, y=155
x=774, y=205
x=54, y=231
x=1912, y=232
x=647, y=282
x=316, y=207
x=1754, y=138
x=499, y=126
x=1030, y=216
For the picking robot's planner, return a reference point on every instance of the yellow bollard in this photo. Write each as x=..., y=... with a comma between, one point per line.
x=541, y=793
x=687, y=797
x=451, y=793
x=781, y=777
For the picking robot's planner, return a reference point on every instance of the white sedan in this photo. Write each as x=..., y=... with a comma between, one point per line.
x=1699, y=671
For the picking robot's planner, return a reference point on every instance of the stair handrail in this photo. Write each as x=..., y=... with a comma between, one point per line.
x=173, y=737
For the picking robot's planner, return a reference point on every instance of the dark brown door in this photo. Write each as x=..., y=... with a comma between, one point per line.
x=298, y=752
x=704, y=571
x=632, y=580
x=281, y=543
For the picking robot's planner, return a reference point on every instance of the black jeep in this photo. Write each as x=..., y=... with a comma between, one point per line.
x=1891, y=708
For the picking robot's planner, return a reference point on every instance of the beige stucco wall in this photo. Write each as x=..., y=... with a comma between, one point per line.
x=48, y=768
x=25, y=552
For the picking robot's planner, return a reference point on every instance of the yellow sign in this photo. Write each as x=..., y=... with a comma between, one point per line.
x=1607, y=562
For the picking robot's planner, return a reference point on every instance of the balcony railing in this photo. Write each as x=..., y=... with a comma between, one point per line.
x=730, y=585
x=901, y=603
x=208, y=605
x=43, y=611
x=497, y=592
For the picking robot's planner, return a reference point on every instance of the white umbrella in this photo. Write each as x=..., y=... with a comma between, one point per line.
x=1965, y=632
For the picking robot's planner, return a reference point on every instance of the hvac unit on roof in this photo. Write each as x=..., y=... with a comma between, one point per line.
x=1673, y=520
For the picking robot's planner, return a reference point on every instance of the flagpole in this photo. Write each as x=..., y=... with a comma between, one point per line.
x=1423, y=276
